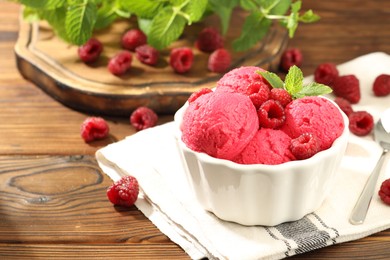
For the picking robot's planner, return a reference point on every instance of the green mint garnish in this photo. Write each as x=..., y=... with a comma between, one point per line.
x=293, y=83
x=165, y=20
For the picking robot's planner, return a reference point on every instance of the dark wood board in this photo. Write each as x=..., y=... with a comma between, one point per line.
x=54, y=66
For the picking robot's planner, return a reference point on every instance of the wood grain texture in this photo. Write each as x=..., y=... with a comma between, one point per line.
x=52, y=194
x=61, y=200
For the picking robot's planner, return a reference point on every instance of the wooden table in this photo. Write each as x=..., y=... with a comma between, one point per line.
x=53, y=201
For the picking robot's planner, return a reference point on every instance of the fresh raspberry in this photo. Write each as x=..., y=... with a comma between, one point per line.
x=120, y=63
x=142, y=118
x=209, y=40
x=94, y=128
x=181, y=59
x=384, y=191
x=326, y=73
x=271, y=114
x=219, y=61
x=305, y=146
x=290, y=57
x=381, y=86
x=198, y=93
x=90, y=51
x=344, y=105
x=281, y=95
x=147, y=54
x=258, y=93
x=347, y=87
x=361, y=123
x=257, y=86
x=132, y=39
x=124, y=192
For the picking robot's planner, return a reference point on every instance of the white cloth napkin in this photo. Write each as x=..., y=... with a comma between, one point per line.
x=152, y=157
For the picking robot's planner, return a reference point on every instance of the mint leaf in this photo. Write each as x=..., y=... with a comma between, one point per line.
x=249, y=5
x=30, y=14
x=309, y=17
x=165, y=28
x=143, y=8
x=293, y=82
x=144, y=25
x=281, y=7
x=56, y=19
x=254, y=29
x=224, y=14
x=313, y=89
x=195, y=10
x=43, y=4
x=272, y=79
x=223, y=8
x=80, y=20
x=292, y=20
x=105, y=16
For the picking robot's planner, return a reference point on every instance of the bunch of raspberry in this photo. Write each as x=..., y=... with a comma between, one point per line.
x=270, y=105
x=344, y=86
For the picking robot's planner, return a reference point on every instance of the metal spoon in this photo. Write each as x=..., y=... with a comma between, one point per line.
x=359, y=212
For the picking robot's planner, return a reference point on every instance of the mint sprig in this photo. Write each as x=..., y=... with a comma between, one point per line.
x=293, y=83
x=165, y=20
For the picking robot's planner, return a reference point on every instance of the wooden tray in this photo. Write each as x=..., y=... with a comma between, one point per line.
x=54, y=66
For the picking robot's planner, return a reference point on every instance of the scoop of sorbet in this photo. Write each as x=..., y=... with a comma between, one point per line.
x=245, y=80
x=220, y=125
x=269, y=146
x=315, y=115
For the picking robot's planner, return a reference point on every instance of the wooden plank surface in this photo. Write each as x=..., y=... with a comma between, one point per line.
x=53, y=202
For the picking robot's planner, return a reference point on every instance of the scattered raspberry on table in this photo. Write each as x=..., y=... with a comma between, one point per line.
x=143, y=118
x=147, y=54
x=124, y=192
x=94, y=128
x=181, y=59
x=348, y=87
x=120, y=63
x=326, y=73
x=361, y=123
x=384, y=191
x=344, y=105
x=219, y=61
x=290, y=57
x=90, y=51
x=381, y=86
x=133, y=38
x=209, y=39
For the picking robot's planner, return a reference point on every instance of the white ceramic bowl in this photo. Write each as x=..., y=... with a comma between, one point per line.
x=261, y=194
